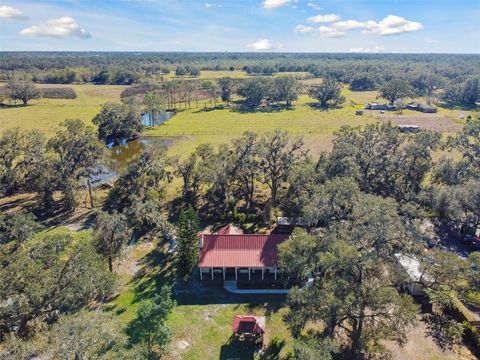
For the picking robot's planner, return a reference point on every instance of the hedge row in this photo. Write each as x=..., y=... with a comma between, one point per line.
x=58, y=93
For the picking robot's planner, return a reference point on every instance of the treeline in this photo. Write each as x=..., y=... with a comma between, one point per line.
x=127, y=67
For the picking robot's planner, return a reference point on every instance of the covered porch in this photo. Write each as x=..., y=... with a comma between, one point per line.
x=240, y=273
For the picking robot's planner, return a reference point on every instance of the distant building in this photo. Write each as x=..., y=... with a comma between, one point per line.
x=421, y=107
x=428, y=109
x=376, y=106
x=409, y=128
x=380, y=106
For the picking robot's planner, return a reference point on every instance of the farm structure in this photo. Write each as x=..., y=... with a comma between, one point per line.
x=380, y=106
x=422, y=107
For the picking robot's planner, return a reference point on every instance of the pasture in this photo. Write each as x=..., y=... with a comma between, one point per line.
x=45, y=115
x=195, y=126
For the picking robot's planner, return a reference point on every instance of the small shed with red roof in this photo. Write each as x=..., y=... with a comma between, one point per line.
x=248, y=327
x=231, y=253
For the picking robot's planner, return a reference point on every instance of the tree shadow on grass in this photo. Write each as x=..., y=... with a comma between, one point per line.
x=237, y=350
x=243, y=108
x=273, y=350
x=156, y=270
x=316, y=106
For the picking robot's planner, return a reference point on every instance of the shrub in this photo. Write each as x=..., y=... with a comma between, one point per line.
x=58, y=93
x=472, y=299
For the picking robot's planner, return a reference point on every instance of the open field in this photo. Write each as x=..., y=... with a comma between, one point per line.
x=46, y=114
x=200, y=125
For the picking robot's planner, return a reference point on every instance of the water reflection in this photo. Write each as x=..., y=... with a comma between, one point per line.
x=121, y=155
x=148, y=120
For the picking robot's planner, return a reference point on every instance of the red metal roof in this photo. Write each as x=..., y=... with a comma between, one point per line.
x=240, y=250
x=249, y=324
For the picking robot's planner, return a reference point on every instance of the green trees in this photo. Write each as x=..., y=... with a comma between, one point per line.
x=17, y=227
x=371, y=155
x=466, y=93
x=79, y=155
x=49, y=276
x=23, y=155
x=144, y=180
x=154, y=106
x=149, y=328
x=278, y=155
x=111, y=234
x=86, y=335
x=118, y=121
x=427, y=84
x=256, y=89
x=284, y=88
x=23, y=91
x=354, y=271
x=328, y=93
x=362, y=82
x=396, y=89
x=187, y=243
x=468, y=142
x=226, y=89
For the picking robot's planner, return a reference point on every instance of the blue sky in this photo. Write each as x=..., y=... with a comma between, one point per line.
x=451, y=26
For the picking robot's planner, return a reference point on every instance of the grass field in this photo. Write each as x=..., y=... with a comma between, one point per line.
x=192, y=127
x=46, y=114
x=196, y=126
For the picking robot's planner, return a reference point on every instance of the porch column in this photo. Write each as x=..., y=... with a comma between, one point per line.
x=200, y=273
x=223, y=274
x=249, y=274
x=236, y=276
x=262, y=272
x=212, y=272
x=275, y=272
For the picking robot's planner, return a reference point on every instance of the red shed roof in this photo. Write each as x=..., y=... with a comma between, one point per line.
x=249, y=324
x=240, y=250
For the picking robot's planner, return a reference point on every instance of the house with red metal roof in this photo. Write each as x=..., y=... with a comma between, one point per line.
x=231, y=255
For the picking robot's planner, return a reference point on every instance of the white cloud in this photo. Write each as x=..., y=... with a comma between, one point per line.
x=376, y=49
x=324, y=18
x=212, y=5
x=65, y=26
x=392, y=25
x=314, y=6
x=273, y=4
x=304, y=29
x=262, y=44
x=330, y=32
x=11, y=13
x=349, y=25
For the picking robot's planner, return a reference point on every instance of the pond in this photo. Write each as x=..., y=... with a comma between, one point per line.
x=148, y=120
x=124, y=153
